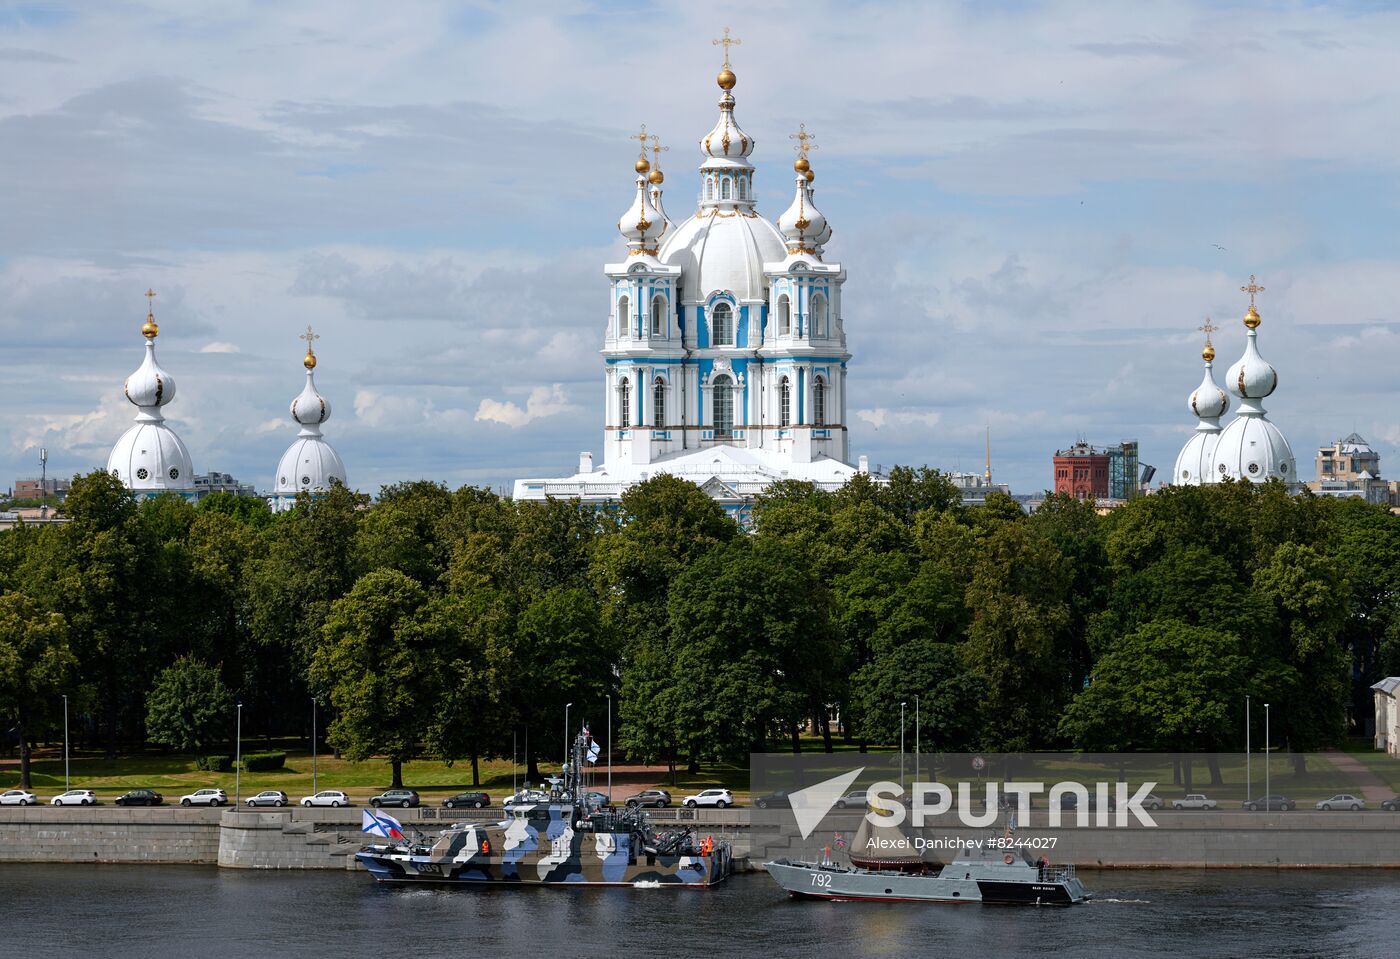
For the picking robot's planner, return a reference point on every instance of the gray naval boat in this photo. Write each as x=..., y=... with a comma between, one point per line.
x=885, y=865
x=555, y=839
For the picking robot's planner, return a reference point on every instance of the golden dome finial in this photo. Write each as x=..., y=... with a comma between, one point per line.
x=726, y=78
x=309, y=361
x=1208, y=351
x=641, y=166
x=657, y=177
x=149, y=329
x=806, y=143
x=1251, y=318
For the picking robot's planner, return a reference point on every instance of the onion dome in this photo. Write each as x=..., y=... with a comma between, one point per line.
x=149, y=456
x=643, y=224
x=802, y=224
x=310, y=408
x=310, y=464
x=1208, y=401
x=656, y=178
x=150, y=386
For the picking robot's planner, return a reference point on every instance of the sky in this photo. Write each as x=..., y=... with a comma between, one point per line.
x=1037, y=205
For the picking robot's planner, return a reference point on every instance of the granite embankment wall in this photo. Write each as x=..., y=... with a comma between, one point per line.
x=297, y=838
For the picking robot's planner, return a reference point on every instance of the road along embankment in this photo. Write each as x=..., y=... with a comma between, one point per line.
x=301, y=838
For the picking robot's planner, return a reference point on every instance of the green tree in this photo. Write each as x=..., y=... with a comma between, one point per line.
x=188, y=709
x=35, y=666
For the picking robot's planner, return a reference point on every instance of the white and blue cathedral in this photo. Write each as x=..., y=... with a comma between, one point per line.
x=724, y=359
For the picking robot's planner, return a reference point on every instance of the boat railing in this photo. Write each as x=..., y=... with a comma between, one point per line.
x=1057, y=873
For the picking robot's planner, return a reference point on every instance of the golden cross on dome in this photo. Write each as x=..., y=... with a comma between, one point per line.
x=727, y=41
x=643, y=136
x=657, y=149
x=150, y=300
x=1207, y=329
x=804, y=140
x=308, y=336
x=1252, y=289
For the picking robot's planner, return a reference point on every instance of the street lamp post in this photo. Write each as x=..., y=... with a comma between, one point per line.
x=609, y=747
x=1267, y=794
x=65, y=743
x=916, y=739
x=901, y=745
x=313, y=745
x=1248, y=757
x=238, y=759
x=567, y=706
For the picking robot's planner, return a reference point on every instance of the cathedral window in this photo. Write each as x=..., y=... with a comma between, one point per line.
x=622, y=311
x=784, y=402
x=658, y=316
x=624, y=400
x=743, y=190
x=724, y=188
x=818, y=315
x=722, y=325
x=784, y=316
x=724, y=407
x=658, y=403
x=819, y=401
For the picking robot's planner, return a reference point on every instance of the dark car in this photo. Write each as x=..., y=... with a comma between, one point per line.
x=1071, y=801
x=141, y=797
x=597, y=800
x=1392, y=804
x=777, y=798
x=472, y=800
x=659, y=798
x=396, y=797
x=1270, y=802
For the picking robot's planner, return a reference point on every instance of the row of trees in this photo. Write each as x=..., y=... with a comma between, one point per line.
x=448, y=623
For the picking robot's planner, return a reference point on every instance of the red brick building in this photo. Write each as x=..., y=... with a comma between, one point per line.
x=1082, y=472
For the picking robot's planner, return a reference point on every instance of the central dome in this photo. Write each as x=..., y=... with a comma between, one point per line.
x=718, y=250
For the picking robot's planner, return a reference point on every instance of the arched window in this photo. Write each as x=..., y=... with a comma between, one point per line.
x=658, y=316
x=624, y=401
x=622, y=310
x=784, y=402
x=724, y=406
x=819, y=401
x=658, y=403
x=725, y=186
x=722, y=325
x=818, y=315
x=743, y=188
x=784, y=316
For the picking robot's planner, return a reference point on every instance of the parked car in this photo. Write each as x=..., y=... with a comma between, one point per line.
x=395, y=797
x=327, y=797
x=269, y=797
x=1151, y=801
x=857, y=797
x=1269, y=802
x=1194, y=801
x=75, y=797
x=205, y=797
x=777, y=798
x=719, y=798
x=1343, y=801
x=141, y=797
x=1392, y=804
x=597, y=800
x=659, y=798
x=17, y=797
x=1071, y=801
x=474, y=800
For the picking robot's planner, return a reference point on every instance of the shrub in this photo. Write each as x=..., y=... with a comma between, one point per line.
x=262, y=762
x=214, y=764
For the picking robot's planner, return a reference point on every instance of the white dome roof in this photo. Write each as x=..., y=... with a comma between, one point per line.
x=1251, y=377
x=309, y=464
x=1196, y=459
x=150, y=386
x=150, y=457
x=802, y=224
x=723, y=251
x=310, y=407
x=1254, y=449
x=1208, y=401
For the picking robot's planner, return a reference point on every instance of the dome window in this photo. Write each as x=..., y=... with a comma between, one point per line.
x=1283, y=467
x=174, y=472
x=1223, y=469
x=143, y=473
x=1253, y=467
x=306, y=481
x=725, y=188
x=722, y=325
x=723, y=407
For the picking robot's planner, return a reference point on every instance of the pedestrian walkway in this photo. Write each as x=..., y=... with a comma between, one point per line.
x=1372, y=787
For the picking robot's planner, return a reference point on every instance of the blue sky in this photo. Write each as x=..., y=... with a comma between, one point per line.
x=1030, y=200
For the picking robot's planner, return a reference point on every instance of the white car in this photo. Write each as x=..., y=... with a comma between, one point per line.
x=1194, y=801
x=1343, y=801
x=719, y=798
x=17, y=797
x=858, y=798
x=205, y=797
x=75, y=797
x=327, y=797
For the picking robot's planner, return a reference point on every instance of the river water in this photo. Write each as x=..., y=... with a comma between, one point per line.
x=58, y=911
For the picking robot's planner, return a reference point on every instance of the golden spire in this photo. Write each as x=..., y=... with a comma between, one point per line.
x=642, y=166
x=805, y=145
x=657, y=177
x=726, y=76
x=149, y=329
x=309, y=361
x=1251, y=319
x=1208, y=353
x=988, y=474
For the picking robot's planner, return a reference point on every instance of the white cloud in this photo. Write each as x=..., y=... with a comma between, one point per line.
x=220, y=347
x=544, y=401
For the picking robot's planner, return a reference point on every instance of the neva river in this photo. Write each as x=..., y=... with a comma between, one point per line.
x=182, y=911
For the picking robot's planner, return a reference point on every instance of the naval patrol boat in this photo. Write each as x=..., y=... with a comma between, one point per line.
x=557, y=837
x=886, y=865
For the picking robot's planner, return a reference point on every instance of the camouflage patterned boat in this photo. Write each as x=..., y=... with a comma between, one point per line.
x=561, y=841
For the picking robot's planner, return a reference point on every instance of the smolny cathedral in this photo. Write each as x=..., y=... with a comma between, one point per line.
x=724, y=359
